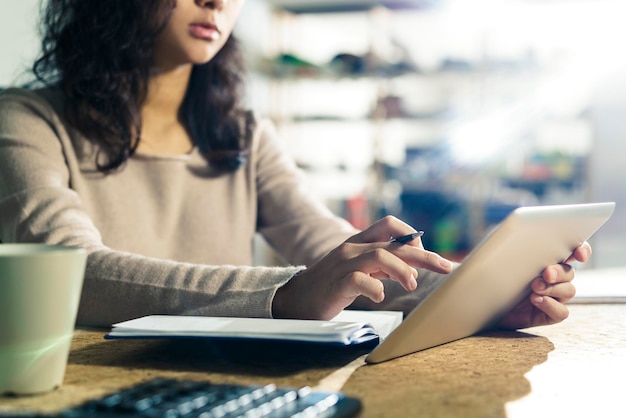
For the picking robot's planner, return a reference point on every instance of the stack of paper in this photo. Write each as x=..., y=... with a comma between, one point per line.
x=348, y=328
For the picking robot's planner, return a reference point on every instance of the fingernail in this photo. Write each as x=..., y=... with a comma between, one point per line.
x=538, y=299
x=541, y=285
x=445, y=263
x=412, y=281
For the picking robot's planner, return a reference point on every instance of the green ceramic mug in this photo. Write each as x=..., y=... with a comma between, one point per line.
x=40, y=288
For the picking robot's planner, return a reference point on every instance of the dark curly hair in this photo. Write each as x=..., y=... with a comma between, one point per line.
x=99, y=53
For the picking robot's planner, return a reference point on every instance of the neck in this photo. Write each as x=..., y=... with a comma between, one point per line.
x=162, y=131
x=166, y=93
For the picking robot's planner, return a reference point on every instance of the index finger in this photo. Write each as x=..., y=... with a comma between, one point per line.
x=419, y=257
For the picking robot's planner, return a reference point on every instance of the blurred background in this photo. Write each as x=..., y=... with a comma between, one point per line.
x=446, y=113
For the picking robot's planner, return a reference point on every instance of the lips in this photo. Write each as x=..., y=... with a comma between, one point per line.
x=205, y=31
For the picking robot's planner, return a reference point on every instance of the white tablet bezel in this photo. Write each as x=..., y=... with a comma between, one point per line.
x=495, y=276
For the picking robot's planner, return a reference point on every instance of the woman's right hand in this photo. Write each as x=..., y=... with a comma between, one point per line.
x=356, y=268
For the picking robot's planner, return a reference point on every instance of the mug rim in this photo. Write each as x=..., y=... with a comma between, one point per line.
x=25, y=249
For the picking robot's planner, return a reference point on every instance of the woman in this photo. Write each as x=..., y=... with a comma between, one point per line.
x=139, y=150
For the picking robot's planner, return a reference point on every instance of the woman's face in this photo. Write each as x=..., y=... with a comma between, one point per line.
x=196, y=31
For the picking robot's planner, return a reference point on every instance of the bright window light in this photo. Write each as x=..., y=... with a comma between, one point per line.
x=579, y=41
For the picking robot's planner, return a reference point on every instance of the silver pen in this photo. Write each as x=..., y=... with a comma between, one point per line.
x=407, y=238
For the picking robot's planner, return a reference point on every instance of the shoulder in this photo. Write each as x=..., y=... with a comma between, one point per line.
x=271, y=157
x=27, y=96
x=18, y=105
x=266, y=137
x=34, y=117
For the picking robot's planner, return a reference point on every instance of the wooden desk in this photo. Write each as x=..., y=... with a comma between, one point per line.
x=576, y=368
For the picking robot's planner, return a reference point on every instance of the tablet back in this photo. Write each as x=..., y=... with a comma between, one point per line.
x=495, y=276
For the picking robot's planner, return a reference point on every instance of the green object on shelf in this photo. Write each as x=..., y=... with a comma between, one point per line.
x=446, y=235
x=293, y=60
x=288, y=64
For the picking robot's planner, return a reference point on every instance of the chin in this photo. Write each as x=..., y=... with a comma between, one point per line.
x=204, y=54
x=193, y=56
x=202, y=58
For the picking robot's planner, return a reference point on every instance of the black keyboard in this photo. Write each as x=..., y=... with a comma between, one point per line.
x=174, y=398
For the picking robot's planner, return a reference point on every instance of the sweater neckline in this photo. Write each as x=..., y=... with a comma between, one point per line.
x=172, y=157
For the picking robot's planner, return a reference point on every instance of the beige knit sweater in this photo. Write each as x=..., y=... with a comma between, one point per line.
x=166, y=234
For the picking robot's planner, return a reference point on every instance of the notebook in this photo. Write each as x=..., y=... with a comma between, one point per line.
x=495, y=276
x=350, y=327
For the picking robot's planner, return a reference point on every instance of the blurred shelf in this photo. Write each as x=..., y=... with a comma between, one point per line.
x=333, y=6
x=373, y=119
x=287, y=73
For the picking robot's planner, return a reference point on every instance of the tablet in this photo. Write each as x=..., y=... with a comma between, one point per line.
x=495, y=276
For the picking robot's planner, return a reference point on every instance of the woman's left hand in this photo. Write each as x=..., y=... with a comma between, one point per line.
x=550, y=292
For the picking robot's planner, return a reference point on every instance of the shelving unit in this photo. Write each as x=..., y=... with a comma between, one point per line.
x=372, y=124
x=331, y=6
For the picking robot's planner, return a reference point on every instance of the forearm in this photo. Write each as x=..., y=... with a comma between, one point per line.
x=121, y=286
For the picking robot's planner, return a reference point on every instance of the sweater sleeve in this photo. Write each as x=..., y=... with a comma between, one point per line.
x=38, y=204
